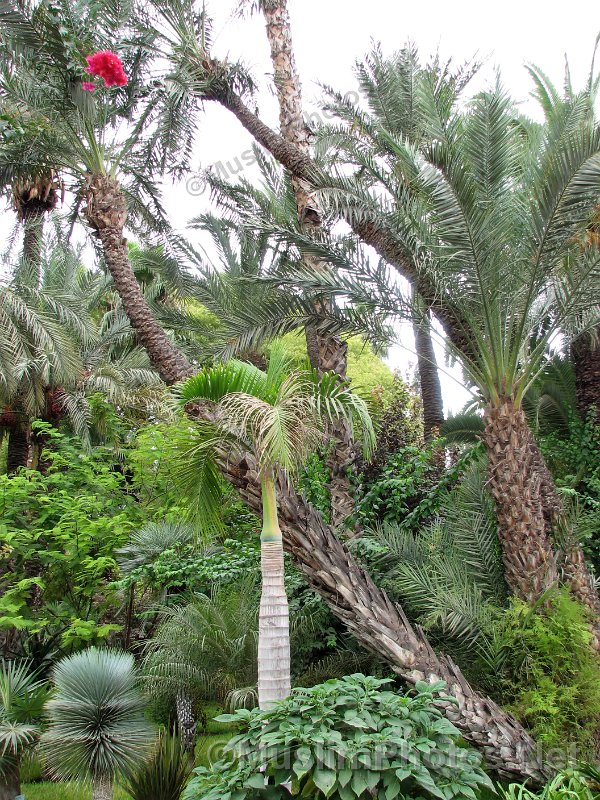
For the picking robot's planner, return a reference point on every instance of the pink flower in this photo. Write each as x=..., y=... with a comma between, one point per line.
x=88, y=87
x=108, y=66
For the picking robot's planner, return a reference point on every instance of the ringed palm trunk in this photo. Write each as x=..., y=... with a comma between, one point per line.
x=106, y=212
x=529, y=561
x=102, y=788
x=274, y=682
x=326, y=352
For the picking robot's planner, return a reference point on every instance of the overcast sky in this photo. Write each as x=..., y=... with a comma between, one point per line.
x=330, y=34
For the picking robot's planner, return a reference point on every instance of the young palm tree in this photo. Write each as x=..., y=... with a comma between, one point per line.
x=22, y=697
x=96, y=725
x=277, y=416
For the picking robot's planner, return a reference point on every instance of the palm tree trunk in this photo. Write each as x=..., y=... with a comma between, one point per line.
x=274, y=681
x=429, y=379
x=186, y=723
x=529, y=561
x=382, y=627
x=33, y=215
x=327, y=352
x=106, y=212
x=19, y=447
x=10, y=782
x=102, y=788
x=586, y=361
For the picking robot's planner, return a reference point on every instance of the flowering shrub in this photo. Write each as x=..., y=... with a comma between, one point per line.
x=108, y=66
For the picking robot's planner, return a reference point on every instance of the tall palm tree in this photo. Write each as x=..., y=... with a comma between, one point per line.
x=22, y=696
x=277, y=416
x=96, y=725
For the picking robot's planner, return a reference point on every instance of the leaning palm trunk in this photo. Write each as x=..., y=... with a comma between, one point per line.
x=106, y=212
x=530, y=565
x=382, y=627
x=328, y=353
x=33, y=238
x=274, y=681
x=102, y=788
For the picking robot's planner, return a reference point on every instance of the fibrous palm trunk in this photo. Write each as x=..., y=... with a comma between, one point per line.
x=530, y=565
x=429, y=379
x=106, y=212
x=585, y=353
x=102, y=788
x=33, y=215
x=19, y=446
x=186, y=722
x=274, y=682
x=327, y=352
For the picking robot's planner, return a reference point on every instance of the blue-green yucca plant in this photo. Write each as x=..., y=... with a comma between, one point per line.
x=97, y=728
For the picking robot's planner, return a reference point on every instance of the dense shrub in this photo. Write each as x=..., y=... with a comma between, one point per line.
x=345, y=739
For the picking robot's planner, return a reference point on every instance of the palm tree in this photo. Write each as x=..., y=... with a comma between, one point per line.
x=22, y=696
x=96, y=725
x=90, y=140
x=206, y=649
x=277, y=416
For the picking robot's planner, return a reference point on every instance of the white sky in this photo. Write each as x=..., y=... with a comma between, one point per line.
x=330, y=34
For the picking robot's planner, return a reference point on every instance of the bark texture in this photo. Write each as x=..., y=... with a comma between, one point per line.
x=273, y=628
x=327, y=352
x=382, y=627
x=585, y=353
x=33, y=216
x=106, y=212
x=530, y=565
x=186, y=722
x=19, y=447
x=429, y=379
x=102, y=789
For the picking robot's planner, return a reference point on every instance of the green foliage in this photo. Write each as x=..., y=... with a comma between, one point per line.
x=64, y=791
x=207, y=647
x=574, y=460
x=96, y=724
x=410, y=488
x=547, y=673
x=449, y=575
x=164, y=775
x=567, y=785
x=58, y=534
x=345, y=739
x=22, y=696
x=313, y=483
